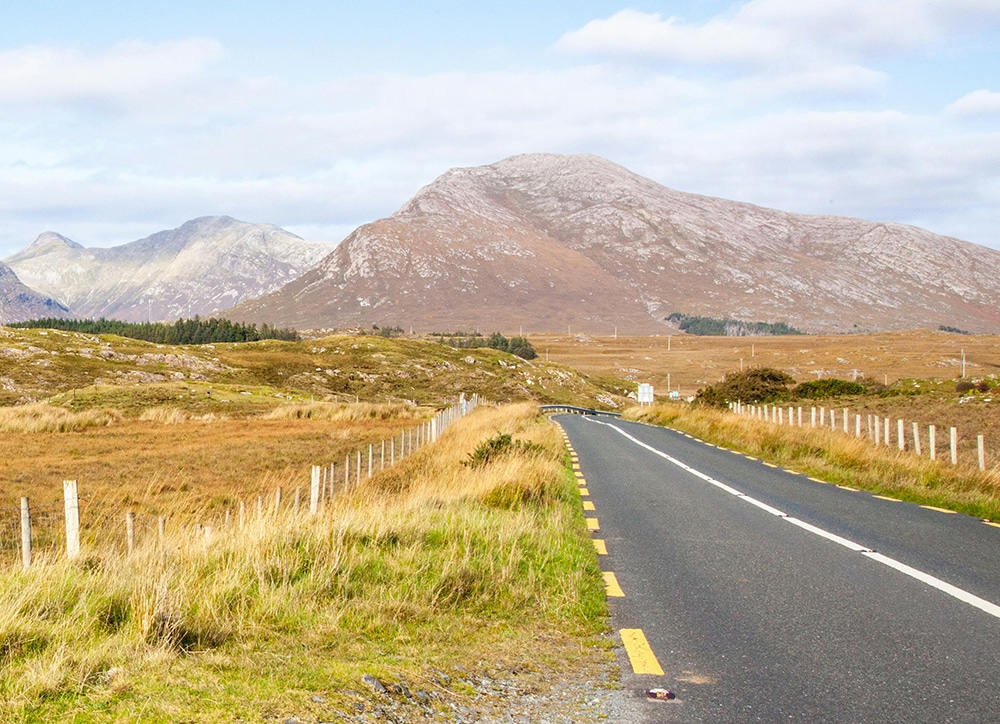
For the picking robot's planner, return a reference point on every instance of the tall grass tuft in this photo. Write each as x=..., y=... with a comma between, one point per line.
x=343, y=411
x=46, y=418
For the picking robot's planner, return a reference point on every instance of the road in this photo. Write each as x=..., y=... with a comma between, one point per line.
x=764, y=595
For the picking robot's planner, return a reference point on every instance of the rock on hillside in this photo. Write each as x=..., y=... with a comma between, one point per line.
x=18, y=302
x=550, y=242
x=205, y=266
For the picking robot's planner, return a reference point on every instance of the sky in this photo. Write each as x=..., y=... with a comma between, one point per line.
x=120, y=119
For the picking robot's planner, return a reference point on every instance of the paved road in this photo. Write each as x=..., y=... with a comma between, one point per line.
x=766, y=596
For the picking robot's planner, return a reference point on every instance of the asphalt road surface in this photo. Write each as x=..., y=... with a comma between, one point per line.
x=764, y=595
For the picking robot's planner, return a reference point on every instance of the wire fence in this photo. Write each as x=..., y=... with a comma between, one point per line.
x=31, y=534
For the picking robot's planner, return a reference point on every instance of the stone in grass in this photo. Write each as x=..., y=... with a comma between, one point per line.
x=374, y=684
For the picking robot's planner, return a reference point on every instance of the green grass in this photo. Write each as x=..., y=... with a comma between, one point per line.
x=422, y=570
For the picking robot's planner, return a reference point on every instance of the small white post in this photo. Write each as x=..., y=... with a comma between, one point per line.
x=885, y=436
x=25, y=534
x=981, y=447
x=932, y=441
x=370, y=450
x=357, y=469
x=161, y=529
x=878, y=431
x=916, y=439
x=822, y=416
x=314, y=490
x=277, y=499
x=812, y=417
x=954, y=446
x=72, y=506
x=900, y=435
x=381, y=465
x=130, y=530
x=800, y=416
x=857, y=426
x=847, y=418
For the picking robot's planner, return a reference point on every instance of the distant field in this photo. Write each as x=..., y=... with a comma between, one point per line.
x=692, y=362
x=921, y=368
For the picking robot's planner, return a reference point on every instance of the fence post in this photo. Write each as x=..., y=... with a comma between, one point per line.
x=878, y=431
x=130, y=530
x=314, y=490
x=800, y=415
x=243, y=514
x=277, y=499
x=298, y=495
x=847, y=419
x=161, y=529
x=916, y=439
x=857, y=426
x=885, y=436
x=981, y=448
x=25, y=534
x=370, y=451
x=954, y=446
x=932, y=441
x=381, y=464
x=900, y=435
x=72, y=503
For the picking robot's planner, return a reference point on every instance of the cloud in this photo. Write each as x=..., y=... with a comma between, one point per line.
x=978, y=103
x=772, y=33
x=44, y=75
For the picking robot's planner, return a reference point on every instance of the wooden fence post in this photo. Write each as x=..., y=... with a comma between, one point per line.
x=878, y=431
x=243, y=514
x=357, y=469
x=314, y=490
x=277, y=499
x=72, y=505
x=932, y=441
x=885, y=431
x=812, y=417
x=130, y=530
x=916, y=439
x=857, y=426
x=161, y=529
x=981, y=449
x=371, y=450
x=25, y=534
x=954, y=446
x=847, y=419
x=298, y=495
x=900, y=435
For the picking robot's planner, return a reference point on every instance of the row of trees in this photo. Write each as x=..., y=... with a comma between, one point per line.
x=183, y=331
x=711, y=327
x=768, y=385
x=519, y=346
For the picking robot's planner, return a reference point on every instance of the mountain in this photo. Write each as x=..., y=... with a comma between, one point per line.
x=204, y=266
x=551, y=242
x=18, y=302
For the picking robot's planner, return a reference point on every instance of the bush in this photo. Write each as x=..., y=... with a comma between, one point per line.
x=755, y=385
x=497, y=447
x=819, y=389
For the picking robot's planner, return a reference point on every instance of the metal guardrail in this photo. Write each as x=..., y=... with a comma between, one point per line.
x=574, y=410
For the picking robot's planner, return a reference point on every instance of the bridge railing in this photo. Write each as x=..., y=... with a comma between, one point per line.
x=574, y=410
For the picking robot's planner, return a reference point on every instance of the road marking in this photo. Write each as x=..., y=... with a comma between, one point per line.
x=990, y=522
x=940, y=510
x=576, y=466
x=817, y=480
x=943, y=586
x=611, y=583
x=792, y=472
x=592, y=524
x=847, y=487
x=601, y=546
x=770, y=465
x=735, y=452
x=883, y=497
x=584, y=492
x=587, y=505
x=749, y=457
x=640, y=653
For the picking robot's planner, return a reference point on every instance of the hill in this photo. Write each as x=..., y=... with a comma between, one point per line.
x=547, y=242
x=204, y=266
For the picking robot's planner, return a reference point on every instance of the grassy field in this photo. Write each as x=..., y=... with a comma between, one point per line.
x=433, y=577
x=920, y=367
x=81, y=371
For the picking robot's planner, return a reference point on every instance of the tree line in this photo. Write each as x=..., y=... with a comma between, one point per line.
x=183, y=331
x=711, y=327
x=519, y=346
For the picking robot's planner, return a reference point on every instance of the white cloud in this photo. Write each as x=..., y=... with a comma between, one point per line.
x=978, y=103
x=779, y=32
x=54, y=75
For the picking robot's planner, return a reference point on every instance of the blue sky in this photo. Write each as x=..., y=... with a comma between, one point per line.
x=119, y=119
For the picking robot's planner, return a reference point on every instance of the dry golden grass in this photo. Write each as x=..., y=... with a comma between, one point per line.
x=693, y=362
x=423, y=566
x=46, y=418
x=839, y=458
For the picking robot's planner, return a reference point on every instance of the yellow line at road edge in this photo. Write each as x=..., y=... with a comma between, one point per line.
x=640, y=654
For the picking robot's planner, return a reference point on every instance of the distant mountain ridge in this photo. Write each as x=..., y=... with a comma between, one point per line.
x=202, y=267
x=546, y=242
x=18, y=302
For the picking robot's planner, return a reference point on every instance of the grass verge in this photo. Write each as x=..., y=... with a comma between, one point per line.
x=431, y=567
x=839, y=458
